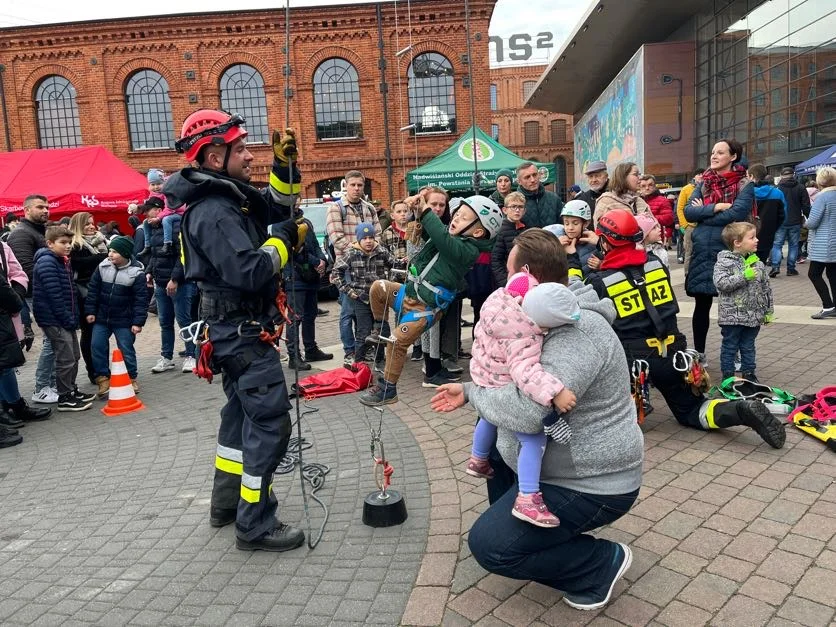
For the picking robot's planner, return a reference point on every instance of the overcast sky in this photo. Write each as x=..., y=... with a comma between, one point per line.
x=555, y=16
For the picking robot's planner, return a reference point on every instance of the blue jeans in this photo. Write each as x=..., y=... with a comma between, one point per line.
x=737, y=338
x=168, y=308
x=346, y=319
x=565, y=558
x=9, y=392
x=100, y=347
x=45, y=370
x=170, y=223
x=792, y=234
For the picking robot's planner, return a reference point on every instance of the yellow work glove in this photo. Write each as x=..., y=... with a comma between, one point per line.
x=284, y=145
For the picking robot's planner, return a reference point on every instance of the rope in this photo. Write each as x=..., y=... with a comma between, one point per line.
x=312, y=472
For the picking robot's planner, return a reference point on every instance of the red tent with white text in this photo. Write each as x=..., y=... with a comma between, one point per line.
x=90, y=179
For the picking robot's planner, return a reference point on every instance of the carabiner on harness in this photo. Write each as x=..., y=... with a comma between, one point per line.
x=640, y=375
x=196, y=333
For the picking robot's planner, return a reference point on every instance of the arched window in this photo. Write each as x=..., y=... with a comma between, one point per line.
x=432, y=98
x=337, y=100
x=528, y=89
x=149, y=111
x=242, y=92
x=58, y=124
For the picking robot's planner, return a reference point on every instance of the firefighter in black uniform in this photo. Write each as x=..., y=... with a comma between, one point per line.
x=235, y=241
x=639, y=286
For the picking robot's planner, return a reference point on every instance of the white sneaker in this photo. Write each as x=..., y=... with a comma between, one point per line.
x=46, y=396
x=189, y=364
x=162, y=365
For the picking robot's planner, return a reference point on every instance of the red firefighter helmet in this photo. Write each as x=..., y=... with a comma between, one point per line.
x=619, y=228
x=207, y=127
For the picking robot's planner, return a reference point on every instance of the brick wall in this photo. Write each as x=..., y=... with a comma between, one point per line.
x=99, y=57
x=510, y=116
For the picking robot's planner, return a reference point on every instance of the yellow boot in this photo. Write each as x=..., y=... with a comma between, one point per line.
x=135, y=386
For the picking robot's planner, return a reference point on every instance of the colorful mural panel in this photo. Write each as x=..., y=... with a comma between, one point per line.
x=612, y=130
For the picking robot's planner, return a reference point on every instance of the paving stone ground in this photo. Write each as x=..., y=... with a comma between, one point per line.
x=104, y=521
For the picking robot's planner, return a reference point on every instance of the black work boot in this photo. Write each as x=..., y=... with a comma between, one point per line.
x=9, y=437
x=752, y=414
x=221, y=517
x=20, y=410
x=297, y=364
x=9, y=421
x=282, y=538
x=315, y=354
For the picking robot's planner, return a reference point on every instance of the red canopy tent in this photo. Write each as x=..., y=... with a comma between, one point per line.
x=90, y=179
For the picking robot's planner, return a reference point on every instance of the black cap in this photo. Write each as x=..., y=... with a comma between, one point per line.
x=152, y=203
x=788, y=171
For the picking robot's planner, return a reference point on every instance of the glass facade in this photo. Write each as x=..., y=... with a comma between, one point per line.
x=766, y=75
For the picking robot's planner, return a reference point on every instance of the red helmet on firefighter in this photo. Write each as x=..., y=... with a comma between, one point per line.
x=207, y=127
x=619, y=228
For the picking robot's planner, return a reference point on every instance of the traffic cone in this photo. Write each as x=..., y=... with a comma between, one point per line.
x=121, y=399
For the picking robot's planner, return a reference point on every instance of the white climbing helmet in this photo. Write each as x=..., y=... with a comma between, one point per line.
x=486, y=210
x=577, y=209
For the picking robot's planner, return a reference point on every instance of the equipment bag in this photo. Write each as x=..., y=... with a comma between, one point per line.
x=341, y=380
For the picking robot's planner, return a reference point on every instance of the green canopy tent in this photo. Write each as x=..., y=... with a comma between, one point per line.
x=453, y=168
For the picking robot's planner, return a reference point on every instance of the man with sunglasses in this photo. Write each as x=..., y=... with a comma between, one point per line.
x=235, y=240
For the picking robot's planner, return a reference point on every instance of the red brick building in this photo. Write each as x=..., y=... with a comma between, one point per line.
x=128, y=84
x=532, y=134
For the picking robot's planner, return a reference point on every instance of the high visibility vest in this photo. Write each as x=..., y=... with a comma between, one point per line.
x=631, y=296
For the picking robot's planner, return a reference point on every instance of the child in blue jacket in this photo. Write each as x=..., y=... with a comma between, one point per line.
x=54, y=307
x=117, y=304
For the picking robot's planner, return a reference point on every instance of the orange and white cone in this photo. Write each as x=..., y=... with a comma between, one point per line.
x=121, y=399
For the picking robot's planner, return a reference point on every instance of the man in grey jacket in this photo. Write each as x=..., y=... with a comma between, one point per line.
x=589, y=482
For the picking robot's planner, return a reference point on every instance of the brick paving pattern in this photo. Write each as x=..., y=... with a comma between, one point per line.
x=104, y=521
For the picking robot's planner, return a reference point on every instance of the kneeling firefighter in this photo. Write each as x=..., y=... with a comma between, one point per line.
x=639, y=286
x=235, y=241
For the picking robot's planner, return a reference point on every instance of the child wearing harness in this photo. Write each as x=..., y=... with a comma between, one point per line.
x=508, y=341
x=434, y=277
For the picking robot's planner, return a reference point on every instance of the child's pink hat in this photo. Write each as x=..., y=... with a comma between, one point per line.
x=646, y=222
x=519, y=283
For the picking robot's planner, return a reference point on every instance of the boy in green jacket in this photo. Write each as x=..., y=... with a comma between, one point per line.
x=435, y=275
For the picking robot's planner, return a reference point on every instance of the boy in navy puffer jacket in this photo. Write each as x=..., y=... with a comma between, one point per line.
x=54, y=306
x=116, y=304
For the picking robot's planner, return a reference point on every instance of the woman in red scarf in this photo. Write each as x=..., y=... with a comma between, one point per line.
x=725, y=196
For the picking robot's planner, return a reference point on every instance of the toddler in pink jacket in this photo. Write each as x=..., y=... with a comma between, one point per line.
x=508, y=340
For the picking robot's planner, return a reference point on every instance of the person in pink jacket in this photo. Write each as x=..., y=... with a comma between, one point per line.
x=170, y=218
x=506, y=349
